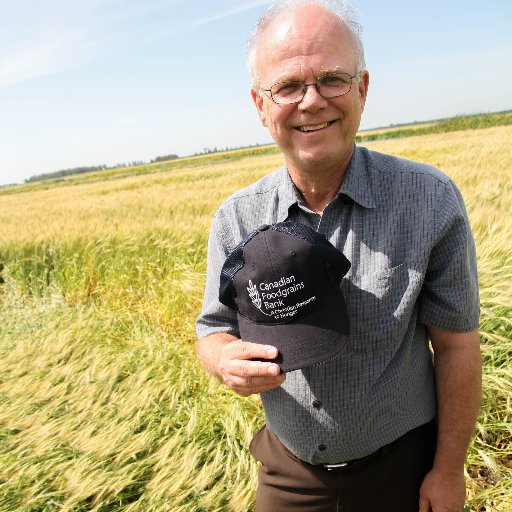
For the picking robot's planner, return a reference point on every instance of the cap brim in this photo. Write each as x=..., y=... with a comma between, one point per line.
x=317, y=337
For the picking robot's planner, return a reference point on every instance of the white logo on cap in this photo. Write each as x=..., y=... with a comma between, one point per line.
x=278, y=308
x=255, y=296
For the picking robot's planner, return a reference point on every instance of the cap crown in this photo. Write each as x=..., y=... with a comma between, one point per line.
x=280, y=273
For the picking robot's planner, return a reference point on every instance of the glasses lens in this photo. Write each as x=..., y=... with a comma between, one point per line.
x=287, y=92
x=336, y=84
x=329, y=86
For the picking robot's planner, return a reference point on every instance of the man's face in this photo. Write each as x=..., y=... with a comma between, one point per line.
x=316, y=133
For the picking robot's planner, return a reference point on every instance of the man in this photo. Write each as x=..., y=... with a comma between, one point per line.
x=380, y=427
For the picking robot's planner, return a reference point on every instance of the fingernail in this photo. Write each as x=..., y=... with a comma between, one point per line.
x=272, y=352
x=273, y=369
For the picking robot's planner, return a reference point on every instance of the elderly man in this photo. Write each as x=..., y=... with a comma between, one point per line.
x=384, y=426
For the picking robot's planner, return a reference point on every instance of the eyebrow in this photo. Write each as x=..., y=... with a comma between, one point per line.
x=329, y=71
x=324, y=72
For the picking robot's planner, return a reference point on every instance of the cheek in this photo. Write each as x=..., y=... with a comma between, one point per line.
x=279, y=118
x=270, y=122
x=269, y=117
x=354, y=110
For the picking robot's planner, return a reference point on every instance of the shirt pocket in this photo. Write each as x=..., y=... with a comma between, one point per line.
x=375, y=304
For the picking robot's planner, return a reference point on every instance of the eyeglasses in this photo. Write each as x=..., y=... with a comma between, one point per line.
x=331, y=85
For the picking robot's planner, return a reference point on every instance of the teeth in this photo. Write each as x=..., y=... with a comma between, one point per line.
x=313, y=127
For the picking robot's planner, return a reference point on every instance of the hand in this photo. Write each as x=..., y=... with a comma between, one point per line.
x=247, y=377
x=443, y=492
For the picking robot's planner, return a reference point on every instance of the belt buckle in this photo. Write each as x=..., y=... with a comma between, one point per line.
x=331, y=467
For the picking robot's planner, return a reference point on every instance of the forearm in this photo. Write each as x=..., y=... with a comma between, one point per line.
x=459, y=386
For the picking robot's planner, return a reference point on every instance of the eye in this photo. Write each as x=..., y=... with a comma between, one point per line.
x=338, y=80
x=286, y=88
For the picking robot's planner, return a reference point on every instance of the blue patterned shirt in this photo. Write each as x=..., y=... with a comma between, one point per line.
x=405, y=230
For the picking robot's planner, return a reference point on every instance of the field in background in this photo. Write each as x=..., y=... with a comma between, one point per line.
x=102, y=404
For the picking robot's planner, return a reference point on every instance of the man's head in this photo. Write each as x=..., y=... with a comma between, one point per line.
x=341, y=9
x=316, y=43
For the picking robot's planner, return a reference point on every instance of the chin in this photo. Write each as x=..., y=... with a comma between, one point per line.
x=320, y=158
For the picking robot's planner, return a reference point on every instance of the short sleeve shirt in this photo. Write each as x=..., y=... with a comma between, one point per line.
x=404, y=227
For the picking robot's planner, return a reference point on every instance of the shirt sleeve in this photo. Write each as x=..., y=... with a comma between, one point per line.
x=449, y=298
x=214, y=316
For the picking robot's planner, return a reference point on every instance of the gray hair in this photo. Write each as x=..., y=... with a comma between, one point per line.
x=341, y=9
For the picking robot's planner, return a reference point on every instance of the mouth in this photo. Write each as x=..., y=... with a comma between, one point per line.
x=305, y=128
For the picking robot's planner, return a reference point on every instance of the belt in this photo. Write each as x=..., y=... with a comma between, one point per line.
x=340, y=466
x=343, y=466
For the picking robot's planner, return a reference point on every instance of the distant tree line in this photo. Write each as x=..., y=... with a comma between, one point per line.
x=164, y=158
x=65, y=172
x=79, y=170
x=208, y=151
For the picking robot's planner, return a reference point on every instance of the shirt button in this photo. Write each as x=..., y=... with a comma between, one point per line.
x=322, y=447
x=317, y=404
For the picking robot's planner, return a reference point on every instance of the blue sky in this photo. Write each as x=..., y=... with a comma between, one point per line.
x=90, y=82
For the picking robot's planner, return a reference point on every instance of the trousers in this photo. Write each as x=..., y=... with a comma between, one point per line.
x=389, y=481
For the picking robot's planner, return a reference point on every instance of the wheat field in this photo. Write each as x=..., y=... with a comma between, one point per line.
x=103, y=406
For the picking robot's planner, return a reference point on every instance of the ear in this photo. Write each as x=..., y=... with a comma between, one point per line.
x=258, y=102
x=363, y=84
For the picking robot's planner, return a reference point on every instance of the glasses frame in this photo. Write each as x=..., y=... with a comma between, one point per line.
x=305, y=88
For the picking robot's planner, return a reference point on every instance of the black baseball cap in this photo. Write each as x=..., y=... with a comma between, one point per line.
x=284, y=281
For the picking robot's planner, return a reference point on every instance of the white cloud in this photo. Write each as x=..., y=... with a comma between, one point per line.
x=42, y=39
x=50, y=37
x=53, y=54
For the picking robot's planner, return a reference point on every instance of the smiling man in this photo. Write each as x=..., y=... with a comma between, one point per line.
x=379, y=427
x=314, y=105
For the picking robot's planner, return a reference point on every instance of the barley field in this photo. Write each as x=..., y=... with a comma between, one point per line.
x=103, y=406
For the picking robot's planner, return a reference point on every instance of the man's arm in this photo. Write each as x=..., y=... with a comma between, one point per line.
x=229, y=359
x=458, y=367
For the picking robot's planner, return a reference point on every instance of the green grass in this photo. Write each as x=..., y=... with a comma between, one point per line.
x=459, y=123
x=110, y=412
x=103, y=406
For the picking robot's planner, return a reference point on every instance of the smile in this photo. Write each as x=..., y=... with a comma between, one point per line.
x=314, y=127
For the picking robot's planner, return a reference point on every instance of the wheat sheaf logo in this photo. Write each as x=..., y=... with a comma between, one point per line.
x=254, y=295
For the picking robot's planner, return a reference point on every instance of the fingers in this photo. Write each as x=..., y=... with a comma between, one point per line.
x=442, y=491
x=245, y=376
x=424, y=505
x=246, y=350
x=253, y=385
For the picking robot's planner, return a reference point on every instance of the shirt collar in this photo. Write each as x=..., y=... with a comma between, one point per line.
x=357, y=185
x=288, y=194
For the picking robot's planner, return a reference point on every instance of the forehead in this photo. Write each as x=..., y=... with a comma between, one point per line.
x=304, y=40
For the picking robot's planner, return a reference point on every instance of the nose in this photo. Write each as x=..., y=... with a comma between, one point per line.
x=312, y=101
